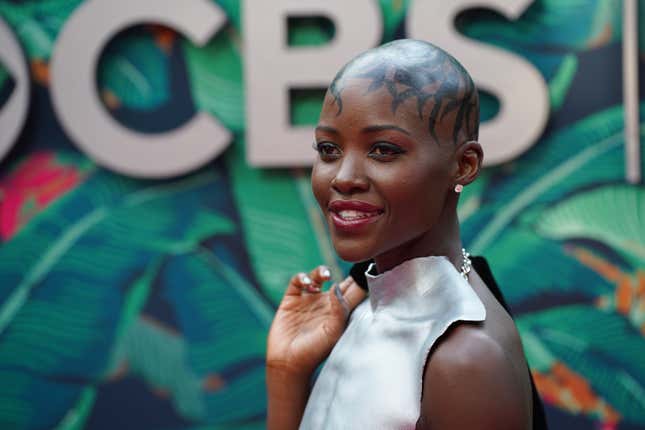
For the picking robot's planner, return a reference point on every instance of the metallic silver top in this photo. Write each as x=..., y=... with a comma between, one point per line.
x=373, y=376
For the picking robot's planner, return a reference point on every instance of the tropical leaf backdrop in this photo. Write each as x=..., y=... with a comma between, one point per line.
x=145, y=304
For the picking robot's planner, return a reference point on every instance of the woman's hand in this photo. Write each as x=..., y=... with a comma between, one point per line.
x=309, y=322
x=305, y=328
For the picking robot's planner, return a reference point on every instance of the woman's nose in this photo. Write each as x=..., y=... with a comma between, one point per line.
x=350, y=177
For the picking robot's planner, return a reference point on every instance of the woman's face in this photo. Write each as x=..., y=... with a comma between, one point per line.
x=380, y=178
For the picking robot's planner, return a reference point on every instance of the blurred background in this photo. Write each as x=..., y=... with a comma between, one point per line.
x=144, y=303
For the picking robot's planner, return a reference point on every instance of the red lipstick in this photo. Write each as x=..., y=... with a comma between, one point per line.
x=352, y=215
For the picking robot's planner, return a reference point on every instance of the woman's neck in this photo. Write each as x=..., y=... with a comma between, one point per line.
x=442, y=239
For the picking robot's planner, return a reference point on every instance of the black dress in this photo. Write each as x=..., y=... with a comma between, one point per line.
x=483, y=270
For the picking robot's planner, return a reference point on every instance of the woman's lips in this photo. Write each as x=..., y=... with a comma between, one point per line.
x=350, y=215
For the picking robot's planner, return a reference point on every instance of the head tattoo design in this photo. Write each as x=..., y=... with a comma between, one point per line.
x=422, y=71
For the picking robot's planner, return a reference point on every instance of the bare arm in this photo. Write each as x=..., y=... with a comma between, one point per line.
x=287, y=395
x=468, y=384
x=306, y=327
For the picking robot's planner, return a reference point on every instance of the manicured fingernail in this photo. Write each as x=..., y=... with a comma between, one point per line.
x=338, y=294
x=324, y=272
x=314, y=289
x=305, y=279
x=341, y=299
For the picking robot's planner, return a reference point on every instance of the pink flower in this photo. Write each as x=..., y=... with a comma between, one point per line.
x=30, y=187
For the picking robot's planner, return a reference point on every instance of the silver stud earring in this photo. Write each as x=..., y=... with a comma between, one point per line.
x=459, y=188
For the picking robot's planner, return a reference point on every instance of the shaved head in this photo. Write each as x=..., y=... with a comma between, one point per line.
x=444, y=92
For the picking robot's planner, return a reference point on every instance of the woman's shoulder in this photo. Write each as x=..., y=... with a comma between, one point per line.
x=466, y=347
x=469, y=370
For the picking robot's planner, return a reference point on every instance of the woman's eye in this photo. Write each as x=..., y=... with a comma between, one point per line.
x=327, y=150
x=383, y=150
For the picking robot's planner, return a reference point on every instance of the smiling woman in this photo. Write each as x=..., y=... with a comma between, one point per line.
x=397, y=141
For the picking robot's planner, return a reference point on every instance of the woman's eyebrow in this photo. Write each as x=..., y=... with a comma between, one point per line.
x=327, y=129
x=374, y=128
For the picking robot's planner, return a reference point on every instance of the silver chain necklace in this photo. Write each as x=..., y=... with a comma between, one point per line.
x=466, y=264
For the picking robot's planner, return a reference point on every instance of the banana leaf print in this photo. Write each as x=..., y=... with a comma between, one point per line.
x=550, y=34
x=237, y=426
x=216, y=79
x=7, y=85
x=600, y=345
x=575, y=278
x=393, y=15
x=224, y=322
x=232, y=9
x=305, y=107
x=393, y=12
x=108, y=283
x=470, y=200
x=36, y=23
x=496, y=218
x=33, y=184
x=216, y=82
x=284, y=231
x=558, y=24
x=585, y=154
x=309, y=31
x=67, y=275
x=316, y=31
x=4, y=75
x=134, y=70
x=562, y=278
x=592, y=215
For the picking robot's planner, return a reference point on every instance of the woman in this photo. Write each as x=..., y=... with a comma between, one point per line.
x=431, y=347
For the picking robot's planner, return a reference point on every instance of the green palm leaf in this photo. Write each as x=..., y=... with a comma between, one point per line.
x=518, y=255
x=471, y=196
x=67, y=274
x=136, y=71
x=561, y=80
x=593, y=215
x=36, y=23
x=601, y=346
x=310, y=31
x=393, y=15
x=549, y=34
x=4, y=75
x=158, y=356
x=33, y=400
x=215, y=72
x=224, y=322
x=284, y=232
x=254, y=425
x=232, y=10
x=109, y=210
x=305, y=106
x=566, y=24
x=75, y=418
x=586, y=154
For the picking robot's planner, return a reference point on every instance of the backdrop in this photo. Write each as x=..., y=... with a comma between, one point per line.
x=143, y=304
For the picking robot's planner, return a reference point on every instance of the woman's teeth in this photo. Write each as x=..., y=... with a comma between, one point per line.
x=351, y=215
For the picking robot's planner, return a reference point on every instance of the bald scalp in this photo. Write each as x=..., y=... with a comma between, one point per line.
x=414, y=69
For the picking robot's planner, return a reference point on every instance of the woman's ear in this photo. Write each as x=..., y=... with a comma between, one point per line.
x=469, y=161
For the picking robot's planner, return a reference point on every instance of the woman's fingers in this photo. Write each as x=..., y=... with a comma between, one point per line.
x=309, y=282
x=337, y=292
x=297, y=283
x=345, y=283
x=319, y=276
x=353, y=294
x=349, y=294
